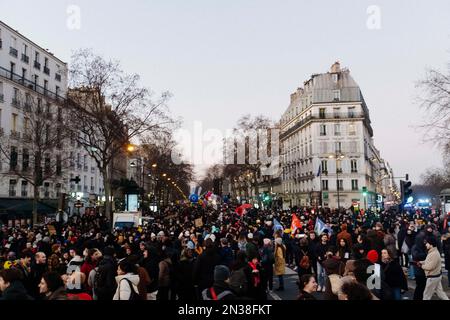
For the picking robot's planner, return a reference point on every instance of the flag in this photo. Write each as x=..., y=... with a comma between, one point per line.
x=319, y=172
x=277, y=225
x=319, y=227
x=241, y=210
x=296, y=223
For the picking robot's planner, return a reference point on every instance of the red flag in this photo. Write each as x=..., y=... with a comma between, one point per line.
x=241, y=210
x=296, y=223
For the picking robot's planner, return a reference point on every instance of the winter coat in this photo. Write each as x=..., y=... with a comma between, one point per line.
x=144, y=281
x=446, y=249
x=164, y=273
x=418, y=253
x=432, y=264
x=15, y=291
x=306, y=296
x=280, y=262
x=123, y=291
x=184, y=283
x=204, y=268
x=389, y=242
x=106, y=286
x=321, y=251
x=394, y=275
x=58, y=294
x=226, y=255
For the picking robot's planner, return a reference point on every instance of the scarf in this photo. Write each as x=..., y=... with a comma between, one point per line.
x=255, y=274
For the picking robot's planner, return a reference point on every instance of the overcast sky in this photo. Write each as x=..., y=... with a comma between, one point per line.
x=222, y=59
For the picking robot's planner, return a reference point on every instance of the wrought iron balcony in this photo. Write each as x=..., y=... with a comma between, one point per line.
x=13, y=52
x=25, y=58
x=37, y=65
x=46, y=70
x=5, y=73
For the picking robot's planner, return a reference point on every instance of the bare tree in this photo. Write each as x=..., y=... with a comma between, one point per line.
x=109, y=109
x=435, y=99
x=42, y=149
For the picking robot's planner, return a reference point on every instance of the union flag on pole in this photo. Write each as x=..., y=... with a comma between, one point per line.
x=296, y=223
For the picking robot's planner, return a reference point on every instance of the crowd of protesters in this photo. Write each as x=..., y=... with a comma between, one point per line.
x=201, y=253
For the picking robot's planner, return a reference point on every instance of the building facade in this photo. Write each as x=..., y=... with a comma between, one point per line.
x=328, y=154
x=29, y=74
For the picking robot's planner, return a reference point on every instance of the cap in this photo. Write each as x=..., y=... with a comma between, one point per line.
x=372, y=256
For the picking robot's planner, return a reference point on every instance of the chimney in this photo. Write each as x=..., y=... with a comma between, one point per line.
x=336, y=67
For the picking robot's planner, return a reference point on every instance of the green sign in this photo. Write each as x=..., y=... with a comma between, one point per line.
x=325, y=195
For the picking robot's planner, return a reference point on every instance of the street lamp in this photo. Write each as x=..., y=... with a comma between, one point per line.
x=154, y=165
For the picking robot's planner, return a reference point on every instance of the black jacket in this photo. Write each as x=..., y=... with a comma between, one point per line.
x=204, y=268
x=15, y=291
x=184, y=283
x=219, y=287
x=105, y=280
x=394, y=276
x=306, y=296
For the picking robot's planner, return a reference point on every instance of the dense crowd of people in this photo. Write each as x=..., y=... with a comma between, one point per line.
x=196, y=253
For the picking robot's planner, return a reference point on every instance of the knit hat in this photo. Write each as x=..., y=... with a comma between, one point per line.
x=372, y=256
x=221, y=273
x=250, y=236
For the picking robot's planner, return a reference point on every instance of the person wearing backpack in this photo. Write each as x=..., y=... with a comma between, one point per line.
x=303, y=258
x=103, y=282
x=220, y=289
x=127, y=281
x=239, y=278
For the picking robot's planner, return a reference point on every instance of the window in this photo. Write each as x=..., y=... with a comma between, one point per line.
x=351, y=129
x=15, y=99
x=337, y=95
x=325, y=185
x=339, y=166
x=338, y=147
x=323, y=130
x=24, y=49
x=335, y=77
x=14, y=122
x=46, y=62
x=340, y=185
x=324, y=165
x=337, y=129
x=25, y=160
x=13, y=159
x=354, y=184
x=36, y=56
x=72, y=160
x=12, y=187
x=336, y=112
x=1, y=92
x=354, y=165
x=351, y=112
x=24, y=189
x=322, y=113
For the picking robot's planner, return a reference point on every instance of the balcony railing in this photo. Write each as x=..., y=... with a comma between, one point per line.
x=25, y=58
x=46, y=70
x=30, y=85
x=13, y=51
x=37, y=65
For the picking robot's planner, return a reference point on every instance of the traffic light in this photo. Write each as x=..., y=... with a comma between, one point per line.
x=364, y=191
x=406, y=191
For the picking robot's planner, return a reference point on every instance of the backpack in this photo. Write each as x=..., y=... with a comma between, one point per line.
x=133, y=295
x=214, y=296
x=304, y=262
x=238, y=282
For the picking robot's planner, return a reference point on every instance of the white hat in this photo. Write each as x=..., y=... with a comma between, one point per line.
x=250, y=236
x=153, y=235
x=161, y=234
x=186, y=233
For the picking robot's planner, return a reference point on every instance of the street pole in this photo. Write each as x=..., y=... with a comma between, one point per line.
x=337, y=183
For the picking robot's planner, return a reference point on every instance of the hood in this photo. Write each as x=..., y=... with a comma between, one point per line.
x=134, y=278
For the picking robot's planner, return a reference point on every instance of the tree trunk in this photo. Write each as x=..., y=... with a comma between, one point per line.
x=35, y=203
x=107, y=187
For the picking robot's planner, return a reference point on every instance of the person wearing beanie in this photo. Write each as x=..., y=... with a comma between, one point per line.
x=372, y=256
x=432, y=266
x=220, y=289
